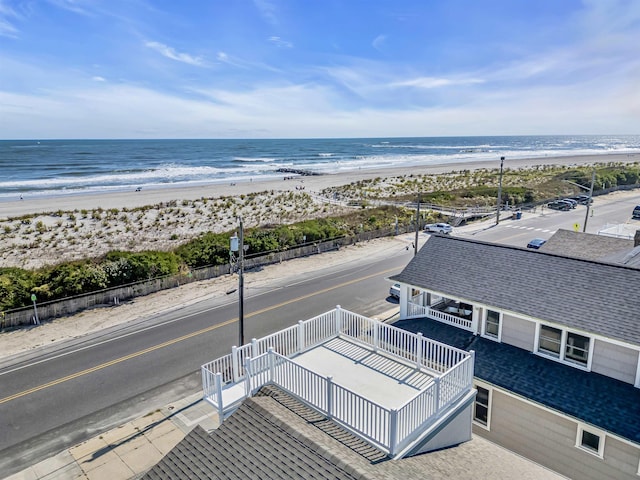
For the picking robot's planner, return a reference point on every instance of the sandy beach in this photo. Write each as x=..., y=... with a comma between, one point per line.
x=132, y=199
x=44, y=231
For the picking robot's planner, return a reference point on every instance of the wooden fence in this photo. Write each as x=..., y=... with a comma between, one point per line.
x=115, y=295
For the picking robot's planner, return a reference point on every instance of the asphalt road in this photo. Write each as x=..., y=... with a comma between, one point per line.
x=606, y=210
x=54, y=398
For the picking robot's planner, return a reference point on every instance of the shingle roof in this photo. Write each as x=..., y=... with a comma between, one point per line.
x=587, y=246
x=587, y=295
x=276, y=437
x=248, y=445
x=602, y=401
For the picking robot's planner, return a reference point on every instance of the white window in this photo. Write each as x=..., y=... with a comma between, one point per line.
x=550, y=340
x=590, y=440
x=577, y=348
x=492, y=324
x=564, y=345
x=482, y=406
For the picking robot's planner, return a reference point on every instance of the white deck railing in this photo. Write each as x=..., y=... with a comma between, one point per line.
x=261, y=363
x=415, y=310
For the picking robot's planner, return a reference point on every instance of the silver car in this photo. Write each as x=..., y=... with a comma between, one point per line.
x=438, y=228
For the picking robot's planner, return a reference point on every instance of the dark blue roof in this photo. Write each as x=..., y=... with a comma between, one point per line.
x=596, y=399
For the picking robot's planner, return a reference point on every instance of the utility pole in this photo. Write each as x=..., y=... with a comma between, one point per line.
x=415, y=244
x=237, y=245
x=499, y=192
x=586, y=216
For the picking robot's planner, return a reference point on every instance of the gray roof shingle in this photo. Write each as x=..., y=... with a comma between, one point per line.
x=589, y=246
x=249, y=444
x=591, y=296
x=274, y=436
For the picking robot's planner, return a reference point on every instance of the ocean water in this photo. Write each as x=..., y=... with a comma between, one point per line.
x=33, y=168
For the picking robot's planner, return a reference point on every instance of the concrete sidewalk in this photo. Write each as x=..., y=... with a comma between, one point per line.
x=128, y=451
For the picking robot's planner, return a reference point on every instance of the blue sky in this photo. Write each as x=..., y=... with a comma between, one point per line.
x=317, y=68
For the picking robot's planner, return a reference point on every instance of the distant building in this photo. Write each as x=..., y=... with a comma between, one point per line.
x=624, y=251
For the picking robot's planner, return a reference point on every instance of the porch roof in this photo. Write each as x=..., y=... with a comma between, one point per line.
x=587, y=295
x=602, y=401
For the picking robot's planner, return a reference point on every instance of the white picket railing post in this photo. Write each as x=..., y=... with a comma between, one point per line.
x=338, y=319
x=218, y=384
x=254, y=348
x=393, y=431
x=234, y=364
x=437, y=394
x=247, y=377
x=419, y=350
x=329, y=397
x=271, y=364
x=205, y=382
x=471, y=367
x=301, y=345
x=376, y=335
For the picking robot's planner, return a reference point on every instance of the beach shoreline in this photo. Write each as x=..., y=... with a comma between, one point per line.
x=313, y=183
x=48, y=231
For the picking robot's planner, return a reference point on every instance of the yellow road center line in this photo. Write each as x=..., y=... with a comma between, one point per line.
x=179, y=339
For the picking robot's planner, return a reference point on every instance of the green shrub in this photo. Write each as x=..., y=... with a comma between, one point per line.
x=16, y=286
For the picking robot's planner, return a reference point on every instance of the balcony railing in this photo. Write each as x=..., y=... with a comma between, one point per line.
x=415, y=310
x=228, y=380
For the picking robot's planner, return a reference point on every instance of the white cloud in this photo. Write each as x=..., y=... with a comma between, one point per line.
x=7, y=15
x=278, y=42
x=171, y=53
x=267, y=10
x=434, y=82
x=122, y=111
x=75, y=6
x=379, y=42
x=98, y=78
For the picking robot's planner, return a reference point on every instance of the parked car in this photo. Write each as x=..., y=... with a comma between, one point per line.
x=583, y=199
x=574, y=203
x=559, y=205
x=394, y=291
x=636, y=212
x=438, y=228
x=536, y=243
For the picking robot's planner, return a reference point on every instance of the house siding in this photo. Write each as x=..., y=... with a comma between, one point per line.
x=518, y=332
x=615, y=361
x=549, y=439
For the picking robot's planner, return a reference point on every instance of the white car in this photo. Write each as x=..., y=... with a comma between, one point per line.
x=438, y=228
x=394, y=291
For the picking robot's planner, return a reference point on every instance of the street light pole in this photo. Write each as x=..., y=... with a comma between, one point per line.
x=499, y=192
x=415, y=244
x=593, y=181
x=237, y=245
x=241, y=284
x=586, y=216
